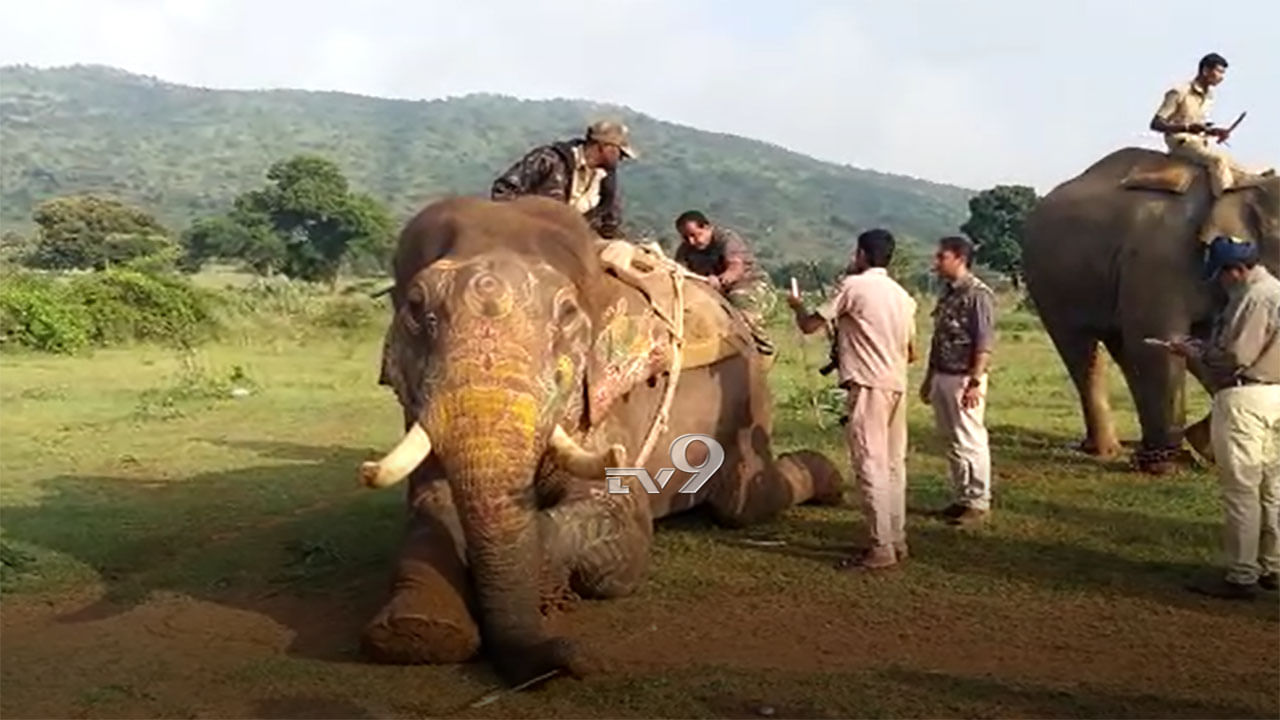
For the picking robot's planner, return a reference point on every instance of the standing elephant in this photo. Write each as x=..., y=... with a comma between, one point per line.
x=1108, y=265
x=524, y=368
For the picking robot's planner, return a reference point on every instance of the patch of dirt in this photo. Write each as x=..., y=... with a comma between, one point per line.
x=296, y=656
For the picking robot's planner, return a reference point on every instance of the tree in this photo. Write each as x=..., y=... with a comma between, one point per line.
x=248, y=239
x=87, y=231
x=996, y=217
x=304, y=222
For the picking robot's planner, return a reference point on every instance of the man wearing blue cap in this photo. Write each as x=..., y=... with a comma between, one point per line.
x=1242, y=359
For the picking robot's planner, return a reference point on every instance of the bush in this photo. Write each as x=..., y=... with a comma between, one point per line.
x=38, y=312
x=126, y=305
x=63, y=315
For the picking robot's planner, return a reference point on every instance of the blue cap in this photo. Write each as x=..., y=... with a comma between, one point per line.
x=1226, y=250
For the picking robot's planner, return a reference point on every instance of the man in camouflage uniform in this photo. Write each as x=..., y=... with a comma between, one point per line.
x=582, y=173
x=722, y=256
x=956, y=381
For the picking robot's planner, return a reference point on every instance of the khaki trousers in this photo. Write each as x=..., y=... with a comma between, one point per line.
x=1246, y=447
x=1222, y=169
x=968, y=447
x=877, y=436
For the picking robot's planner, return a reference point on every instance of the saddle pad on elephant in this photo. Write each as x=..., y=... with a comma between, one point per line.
x=1166, y=174
x=710, y=331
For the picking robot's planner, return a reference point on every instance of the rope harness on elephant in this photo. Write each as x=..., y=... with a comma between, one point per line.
x=675, y=326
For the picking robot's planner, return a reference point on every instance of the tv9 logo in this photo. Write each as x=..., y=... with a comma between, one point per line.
x=680, y=459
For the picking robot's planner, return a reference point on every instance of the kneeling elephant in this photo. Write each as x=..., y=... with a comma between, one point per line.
x=524, y=367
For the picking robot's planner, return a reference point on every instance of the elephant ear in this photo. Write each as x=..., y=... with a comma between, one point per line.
x=630, y=344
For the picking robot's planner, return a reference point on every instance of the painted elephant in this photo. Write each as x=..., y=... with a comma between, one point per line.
x=1108, y=266
x=524, y=369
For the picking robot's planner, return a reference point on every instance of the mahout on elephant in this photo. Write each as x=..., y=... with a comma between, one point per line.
x=1112, y=258
x=525, y=364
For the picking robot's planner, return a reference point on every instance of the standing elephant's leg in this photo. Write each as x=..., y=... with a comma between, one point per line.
x=428, y=618
x=1157, y=381
x=1198, y=433
x=1088, y=368
x=600, y=541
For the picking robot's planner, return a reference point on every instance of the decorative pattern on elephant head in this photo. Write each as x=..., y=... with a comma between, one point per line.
x=631, y=346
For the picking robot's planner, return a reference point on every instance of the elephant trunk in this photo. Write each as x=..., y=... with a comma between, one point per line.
x=490, y=446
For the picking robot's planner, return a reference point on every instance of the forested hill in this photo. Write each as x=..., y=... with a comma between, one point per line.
x=182, y=152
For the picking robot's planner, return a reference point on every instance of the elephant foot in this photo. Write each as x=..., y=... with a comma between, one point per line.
x=812, y=476
x=404, y=635
x=1198, y=437
x=1162, y=461
x=520, y=665
x=1100, y=449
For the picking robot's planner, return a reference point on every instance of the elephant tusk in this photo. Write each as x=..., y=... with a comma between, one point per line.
x=582, y=462
x=413, y=448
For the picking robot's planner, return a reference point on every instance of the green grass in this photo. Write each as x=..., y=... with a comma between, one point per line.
x=208, y=554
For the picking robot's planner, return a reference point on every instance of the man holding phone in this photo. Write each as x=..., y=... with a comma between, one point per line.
x=875, y=321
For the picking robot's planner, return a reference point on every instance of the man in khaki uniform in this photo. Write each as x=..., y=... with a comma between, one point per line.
x=1183, y=117
x=1243, y=361
x=875, y=317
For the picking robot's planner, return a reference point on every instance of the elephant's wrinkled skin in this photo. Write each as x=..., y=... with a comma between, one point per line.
x=494, y=343
x=1111, y=266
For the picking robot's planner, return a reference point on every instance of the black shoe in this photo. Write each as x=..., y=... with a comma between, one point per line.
x=1224, y=589
x=952, y=511
x=1270, y=581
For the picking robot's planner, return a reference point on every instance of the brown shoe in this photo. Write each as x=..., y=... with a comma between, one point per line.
x=877, y=558
x=970, y=516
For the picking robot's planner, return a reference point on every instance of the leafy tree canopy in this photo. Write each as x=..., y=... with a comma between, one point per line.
x=88, y=231
x=996, y=217
x=304, y=222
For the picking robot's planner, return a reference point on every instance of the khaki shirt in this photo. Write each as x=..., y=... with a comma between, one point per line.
x=1183, y=105
x=584, y=191
x=1246, y=337
x=875, y=326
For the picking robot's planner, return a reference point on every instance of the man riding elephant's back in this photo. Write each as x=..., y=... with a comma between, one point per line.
x=582, y=173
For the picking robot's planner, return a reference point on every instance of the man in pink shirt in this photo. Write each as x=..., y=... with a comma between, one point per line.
x=875, y=323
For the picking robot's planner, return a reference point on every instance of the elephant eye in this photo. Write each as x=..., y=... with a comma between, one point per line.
x=429, y=323
x=566, y=312
x=417, y=316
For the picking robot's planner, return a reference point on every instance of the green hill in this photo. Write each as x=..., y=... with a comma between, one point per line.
x=182, y=152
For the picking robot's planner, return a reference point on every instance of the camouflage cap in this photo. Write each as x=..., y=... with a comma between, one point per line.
x=608, y=132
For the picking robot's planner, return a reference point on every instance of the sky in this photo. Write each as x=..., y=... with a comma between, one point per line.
x=972, y=93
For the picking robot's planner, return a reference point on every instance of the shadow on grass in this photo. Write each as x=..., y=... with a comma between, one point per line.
x=299, y=543
x=1046, y=565
x=1025, y=700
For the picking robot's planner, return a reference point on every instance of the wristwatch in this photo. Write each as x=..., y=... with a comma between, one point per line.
x=974, y=383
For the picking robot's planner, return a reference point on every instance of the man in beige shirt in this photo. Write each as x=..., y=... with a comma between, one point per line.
x=1242, y=359
x=875, y=321
x=1183, y=117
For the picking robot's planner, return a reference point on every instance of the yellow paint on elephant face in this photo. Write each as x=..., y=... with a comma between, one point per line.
x=486, y=424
